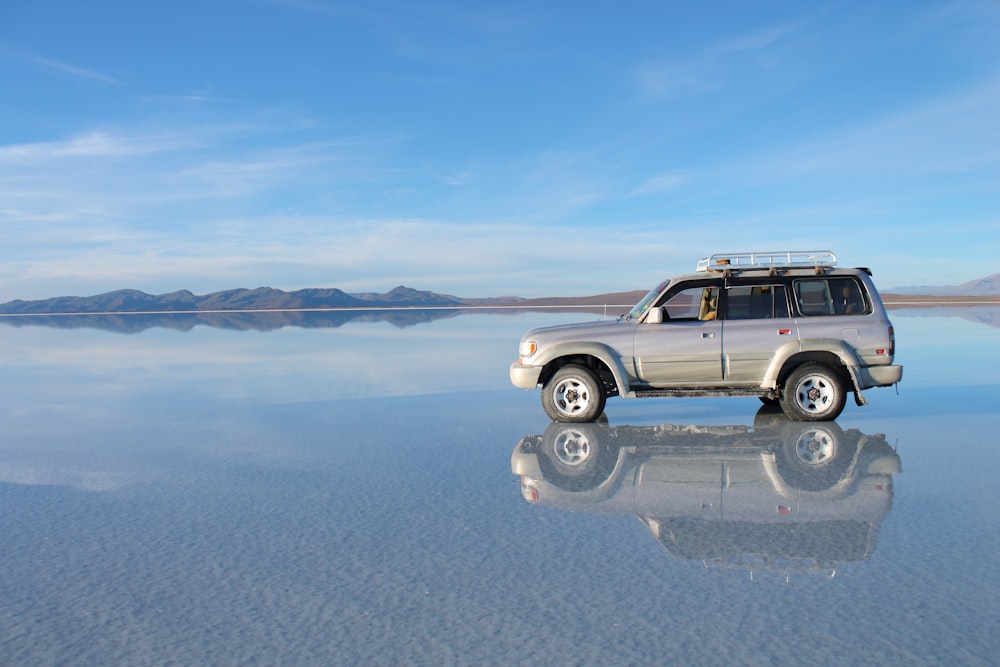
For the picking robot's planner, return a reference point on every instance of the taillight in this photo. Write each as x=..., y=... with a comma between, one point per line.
x=528, y=492
x=892, y=341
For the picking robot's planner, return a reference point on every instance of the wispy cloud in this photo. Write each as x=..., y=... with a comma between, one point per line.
x=66, y=68
x=953, y=133
x=753, y=41
x=704, y=71
x=91, y=144
x=235, y=175
x=436, y=33
x=316, y=251
x=664, y=182
x=127, y=174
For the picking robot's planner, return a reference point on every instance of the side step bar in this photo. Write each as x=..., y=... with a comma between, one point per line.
x=680, y=392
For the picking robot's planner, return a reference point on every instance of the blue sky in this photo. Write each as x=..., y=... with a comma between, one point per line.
x=490, y=148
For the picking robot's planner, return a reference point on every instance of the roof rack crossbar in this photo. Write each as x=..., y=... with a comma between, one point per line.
x=737, y=261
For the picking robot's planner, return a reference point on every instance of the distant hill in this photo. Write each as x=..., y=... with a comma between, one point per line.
x=267, y=298
x=988, y=286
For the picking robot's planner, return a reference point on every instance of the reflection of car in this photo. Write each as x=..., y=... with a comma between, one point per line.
x=787, y=327
x=779, y=495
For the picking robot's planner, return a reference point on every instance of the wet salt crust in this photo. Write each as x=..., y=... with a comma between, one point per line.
x=345, y=496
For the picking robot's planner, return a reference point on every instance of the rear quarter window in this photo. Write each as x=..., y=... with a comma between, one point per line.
x=830, y=297
x=756, y=302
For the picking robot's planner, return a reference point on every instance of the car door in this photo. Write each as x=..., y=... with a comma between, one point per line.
x=757, y=323
x=685, y=349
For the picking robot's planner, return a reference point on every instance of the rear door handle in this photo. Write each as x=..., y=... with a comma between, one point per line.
x=784, y=332
x=708, y=334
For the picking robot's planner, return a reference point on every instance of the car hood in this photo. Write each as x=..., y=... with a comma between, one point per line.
x=579, y=331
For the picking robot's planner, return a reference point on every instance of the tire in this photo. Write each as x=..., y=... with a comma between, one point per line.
x=813, y=392
x=573, y=394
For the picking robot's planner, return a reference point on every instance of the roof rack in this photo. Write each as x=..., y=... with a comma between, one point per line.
x=786, y=259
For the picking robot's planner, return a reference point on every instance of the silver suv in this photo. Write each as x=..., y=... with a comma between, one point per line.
x=787, y=327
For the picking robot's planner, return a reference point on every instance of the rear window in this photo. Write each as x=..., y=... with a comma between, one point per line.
x=830, y=296
x=756, y=302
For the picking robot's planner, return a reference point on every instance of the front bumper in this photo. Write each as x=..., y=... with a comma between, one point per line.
x=525, y=377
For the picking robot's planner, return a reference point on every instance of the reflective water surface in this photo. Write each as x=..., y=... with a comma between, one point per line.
x=375, y=492
x=782, y=497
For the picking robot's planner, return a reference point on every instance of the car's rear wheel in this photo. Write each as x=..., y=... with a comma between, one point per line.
x=813, y=392
x=573, y=394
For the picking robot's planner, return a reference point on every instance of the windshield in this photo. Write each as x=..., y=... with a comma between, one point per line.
x=646, y=301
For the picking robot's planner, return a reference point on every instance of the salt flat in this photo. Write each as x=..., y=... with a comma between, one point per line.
x=346, y=496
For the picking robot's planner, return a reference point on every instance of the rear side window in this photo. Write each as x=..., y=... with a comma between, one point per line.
x=830, y=296
x=756, y=302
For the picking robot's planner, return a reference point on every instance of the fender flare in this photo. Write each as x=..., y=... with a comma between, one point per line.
x=604, y=354
x=821, y=350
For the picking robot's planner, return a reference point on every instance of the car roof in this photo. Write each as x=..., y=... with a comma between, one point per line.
x=767, y=273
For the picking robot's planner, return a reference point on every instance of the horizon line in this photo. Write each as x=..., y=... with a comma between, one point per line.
x=943, y=301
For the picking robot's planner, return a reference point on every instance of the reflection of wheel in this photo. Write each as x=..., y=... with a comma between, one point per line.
x=770, y=402
x=573, y=394
x=814, y=392
x=814, y=447
x=576, y=457
x=814, y=457
x=573, y=450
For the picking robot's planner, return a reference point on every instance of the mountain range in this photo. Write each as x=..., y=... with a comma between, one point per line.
x=270, y=299
x=988, y=286
x=261, y=298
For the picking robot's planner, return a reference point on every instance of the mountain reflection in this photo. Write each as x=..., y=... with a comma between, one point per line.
x=779, y=496
x=233, y=320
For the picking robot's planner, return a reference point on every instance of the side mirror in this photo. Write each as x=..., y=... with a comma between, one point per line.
x=656, y=316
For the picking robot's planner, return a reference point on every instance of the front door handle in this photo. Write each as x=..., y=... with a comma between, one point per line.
x=708, y=334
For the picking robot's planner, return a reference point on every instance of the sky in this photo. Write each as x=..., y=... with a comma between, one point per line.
x=490, y=148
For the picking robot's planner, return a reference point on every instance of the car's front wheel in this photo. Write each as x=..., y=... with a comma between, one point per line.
x=573, y=394
x=813, y=392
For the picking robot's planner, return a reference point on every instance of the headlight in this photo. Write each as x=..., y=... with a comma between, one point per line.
x=527, y=348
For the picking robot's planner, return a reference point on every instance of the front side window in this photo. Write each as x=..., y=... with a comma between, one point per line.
x=694, y=303
x=830, y=296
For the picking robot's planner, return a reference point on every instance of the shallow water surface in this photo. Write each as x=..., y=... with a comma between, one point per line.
x=328, y=492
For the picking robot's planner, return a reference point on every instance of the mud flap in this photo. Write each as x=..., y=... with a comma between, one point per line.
x=859, y=398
